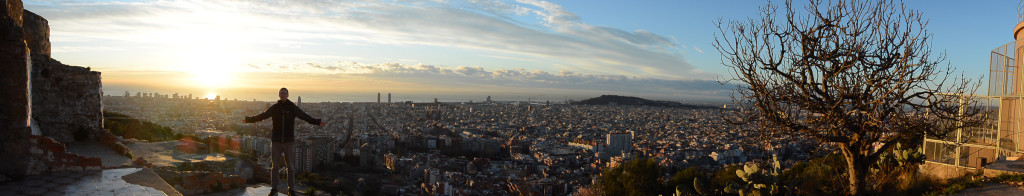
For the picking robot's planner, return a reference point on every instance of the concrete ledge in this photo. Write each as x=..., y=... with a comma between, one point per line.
x=944, y=171
x=122, y=181
x=146, y=177
x=1007, y=166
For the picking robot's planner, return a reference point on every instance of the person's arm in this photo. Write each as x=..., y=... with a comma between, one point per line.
x=262, y=116
x=302, y=115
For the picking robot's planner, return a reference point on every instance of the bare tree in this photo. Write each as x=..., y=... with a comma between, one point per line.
x=856, y=75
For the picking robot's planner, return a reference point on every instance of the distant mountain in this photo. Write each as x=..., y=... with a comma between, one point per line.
x=636, y=101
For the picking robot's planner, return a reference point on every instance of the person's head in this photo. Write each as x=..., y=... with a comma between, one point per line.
x=283, y=93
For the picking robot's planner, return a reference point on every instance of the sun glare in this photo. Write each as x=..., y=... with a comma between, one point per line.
x=211, y=69
x=211, y=96
x=208, y=70
x=210, y=52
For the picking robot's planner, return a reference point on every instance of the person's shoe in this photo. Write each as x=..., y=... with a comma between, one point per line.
x=273, y=192
x=291, y=192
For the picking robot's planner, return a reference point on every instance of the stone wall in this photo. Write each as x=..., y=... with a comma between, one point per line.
x=67, y=105
x=38, y=91
x=48, y=155
x=14, y=98
x=67, y=100
x=37, y=33
x=13, y=9
x=944, y=171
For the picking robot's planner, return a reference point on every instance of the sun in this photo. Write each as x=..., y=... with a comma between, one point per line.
x=211, y=96
x=211, y=71
x=211, y=68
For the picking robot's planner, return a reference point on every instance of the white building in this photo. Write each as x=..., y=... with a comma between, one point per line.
x=619, y=143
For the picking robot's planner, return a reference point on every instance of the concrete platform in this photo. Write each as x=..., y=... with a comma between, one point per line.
x=110, y=158
x=251, y=190
x=122, y=181
x=1004, y=166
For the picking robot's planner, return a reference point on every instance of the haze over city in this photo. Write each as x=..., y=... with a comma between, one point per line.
x=419, y=50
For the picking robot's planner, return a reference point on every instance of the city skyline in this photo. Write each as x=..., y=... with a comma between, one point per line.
x=420, y=50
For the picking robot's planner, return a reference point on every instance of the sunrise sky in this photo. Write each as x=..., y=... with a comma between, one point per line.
x=453, y=50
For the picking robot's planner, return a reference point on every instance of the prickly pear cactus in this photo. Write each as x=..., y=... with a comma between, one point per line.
x=898, y=157
x=758, y=181
x=907, y=155
x=701, y=186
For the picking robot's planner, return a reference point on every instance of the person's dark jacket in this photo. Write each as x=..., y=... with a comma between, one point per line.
x=283, y=114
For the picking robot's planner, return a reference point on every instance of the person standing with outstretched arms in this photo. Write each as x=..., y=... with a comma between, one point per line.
x=282, y=137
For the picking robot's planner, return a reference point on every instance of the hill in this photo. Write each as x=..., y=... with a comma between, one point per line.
x=636, y=101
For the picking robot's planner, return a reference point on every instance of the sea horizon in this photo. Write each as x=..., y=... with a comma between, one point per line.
x=398, y=97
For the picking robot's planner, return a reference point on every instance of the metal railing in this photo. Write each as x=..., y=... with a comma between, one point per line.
x=1004, y=110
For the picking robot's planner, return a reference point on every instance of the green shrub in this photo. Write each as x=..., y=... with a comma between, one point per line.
x=723, y=177
x=128, y=127
x=637, y=177
x=1006, y=177
x=683, y=180
x=960, y=186
x=957, y=185
x=820, y=176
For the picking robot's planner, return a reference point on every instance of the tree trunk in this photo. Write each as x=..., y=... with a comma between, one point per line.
x=856, y=169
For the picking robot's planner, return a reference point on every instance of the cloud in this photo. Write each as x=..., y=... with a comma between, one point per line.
x=559, y=41
x=318, y=66
x=531, y=44
x=441, y=77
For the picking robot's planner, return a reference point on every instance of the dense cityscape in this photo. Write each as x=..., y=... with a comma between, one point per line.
x=490, y=147
x=679, y=98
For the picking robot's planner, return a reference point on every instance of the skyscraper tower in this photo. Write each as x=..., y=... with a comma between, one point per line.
x=389, y=97
x=378, y=97
x=300, y=102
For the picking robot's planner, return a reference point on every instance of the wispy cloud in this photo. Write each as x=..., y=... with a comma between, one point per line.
x=698, y=49
x=528, y=44
x=560, y=40
x=440, y=76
